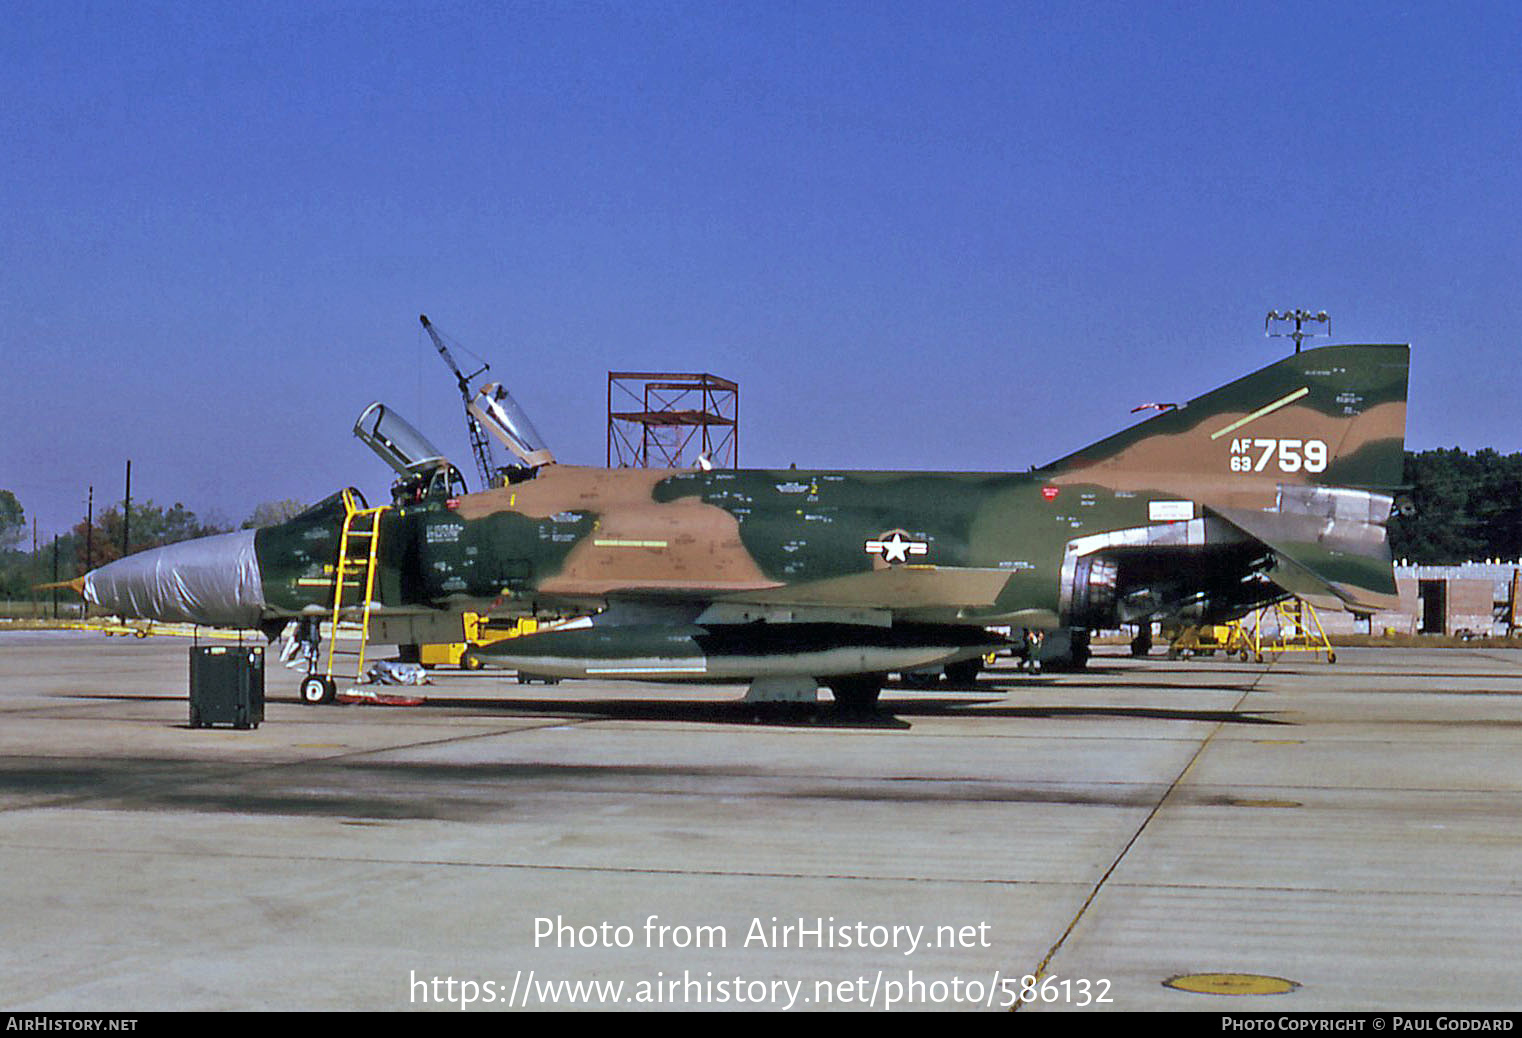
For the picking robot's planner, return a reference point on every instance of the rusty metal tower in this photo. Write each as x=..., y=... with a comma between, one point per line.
x=663, y=419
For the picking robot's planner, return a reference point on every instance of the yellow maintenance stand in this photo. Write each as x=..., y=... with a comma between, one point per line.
x=1297, y=628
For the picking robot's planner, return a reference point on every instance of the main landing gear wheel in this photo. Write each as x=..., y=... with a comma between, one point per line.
x=964, y=672
x=856, y=693
x=315, y=688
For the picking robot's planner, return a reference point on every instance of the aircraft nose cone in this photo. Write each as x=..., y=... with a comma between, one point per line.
x=210, y=580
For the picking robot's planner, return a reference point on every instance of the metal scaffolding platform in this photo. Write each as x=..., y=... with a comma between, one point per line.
x=656, y=419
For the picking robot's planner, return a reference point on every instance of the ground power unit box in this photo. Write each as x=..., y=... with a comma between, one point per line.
x=226, y=686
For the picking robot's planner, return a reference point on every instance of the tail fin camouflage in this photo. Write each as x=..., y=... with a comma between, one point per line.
x=1304, y=455
x=1334, y=416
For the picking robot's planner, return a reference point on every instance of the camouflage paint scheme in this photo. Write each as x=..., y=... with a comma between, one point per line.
x=1278, y=482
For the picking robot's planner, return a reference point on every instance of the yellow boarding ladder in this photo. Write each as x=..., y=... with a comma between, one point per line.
x=357, y=549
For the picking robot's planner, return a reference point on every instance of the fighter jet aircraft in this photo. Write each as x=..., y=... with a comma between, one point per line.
x=1278, y=483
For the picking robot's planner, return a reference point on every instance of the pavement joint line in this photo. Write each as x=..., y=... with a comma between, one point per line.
x=226, y=771
x=1492, y=654
x=846, y=877
x=752, y=873
x=1024, y=736
x=1339, y=891
x=571, y=718
x=1040, y=970
x=64, y=701
x=549, y=723
x=1463, y=790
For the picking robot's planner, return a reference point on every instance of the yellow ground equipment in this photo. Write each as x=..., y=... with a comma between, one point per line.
x=479, y=631
x=1296, y=628
x=155, y=628
x=1199, y=640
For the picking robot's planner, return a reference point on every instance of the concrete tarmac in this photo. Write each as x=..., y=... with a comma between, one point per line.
x=1354, y=830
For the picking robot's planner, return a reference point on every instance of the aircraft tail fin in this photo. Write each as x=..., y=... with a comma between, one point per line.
x=1334, y=416
x=1304, y=456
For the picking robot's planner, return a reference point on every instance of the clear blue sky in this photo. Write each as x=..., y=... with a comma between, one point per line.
x=937, y=235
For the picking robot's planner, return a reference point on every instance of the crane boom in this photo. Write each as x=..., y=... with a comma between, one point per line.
x=438, y=344
x=480, y=445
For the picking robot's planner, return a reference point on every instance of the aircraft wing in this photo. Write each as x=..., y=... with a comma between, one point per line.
x=904, y=588
x=878, y=597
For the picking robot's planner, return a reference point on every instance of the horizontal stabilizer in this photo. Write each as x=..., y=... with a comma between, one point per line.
x=1329, y=544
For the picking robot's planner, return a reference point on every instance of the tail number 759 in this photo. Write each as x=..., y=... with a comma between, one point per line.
x=1255, y=455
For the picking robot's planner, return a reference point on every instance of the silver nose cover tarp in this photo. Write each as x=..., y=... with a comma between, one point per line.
x=210, y=580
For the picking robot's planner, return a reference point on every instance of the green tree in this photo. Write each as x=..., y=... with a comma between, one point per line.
x=271, y=513
x=12, y=520
x=1468, y=506
x=152, y=526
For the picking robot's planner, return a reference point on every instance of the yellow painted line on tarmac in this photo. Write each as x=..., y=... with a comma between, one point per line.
x=1249, y=802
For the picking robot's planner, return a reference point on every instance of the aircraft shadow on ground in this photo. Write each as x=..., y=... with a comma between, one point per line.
x=891, y=714
x=374, y=791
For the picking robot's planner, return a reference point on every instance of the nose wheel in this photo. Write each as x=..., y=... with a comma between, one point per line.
x=315, y=688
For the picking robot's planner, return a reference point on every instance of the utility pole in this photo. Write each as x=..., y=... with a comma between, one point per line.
x=127, y=509
x=55, y=576
x=90, y=532
x=1299, y=317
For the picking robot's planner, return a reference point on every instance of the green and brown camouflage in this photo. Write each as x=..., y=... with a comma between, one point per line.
x=1278, y=483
